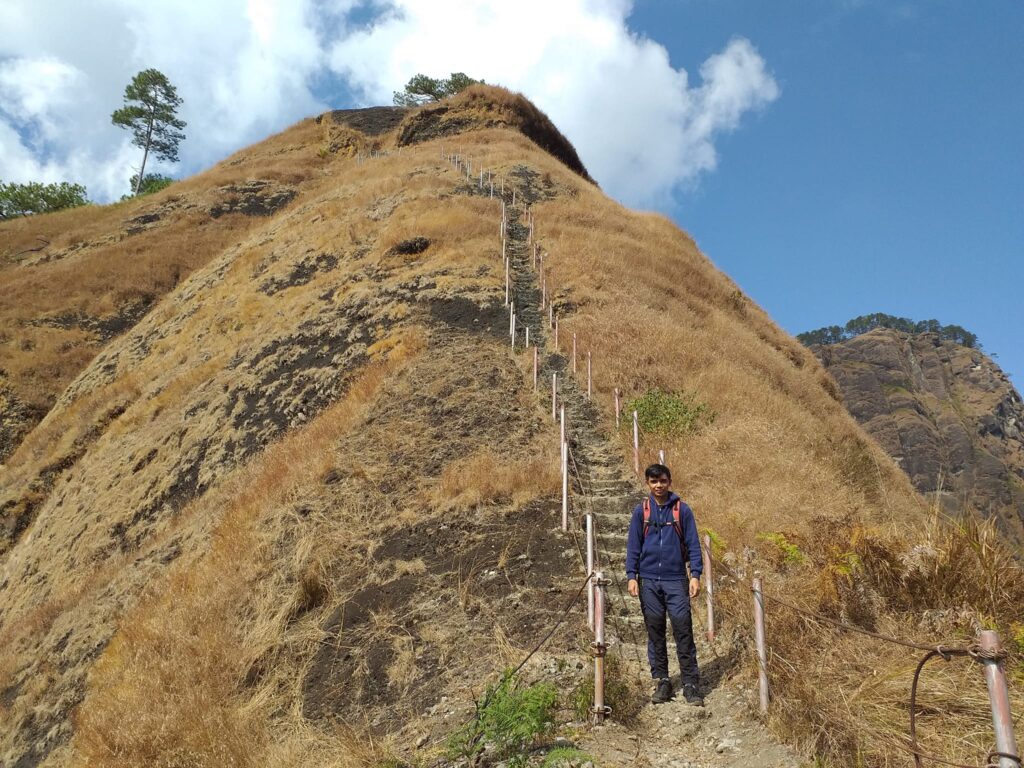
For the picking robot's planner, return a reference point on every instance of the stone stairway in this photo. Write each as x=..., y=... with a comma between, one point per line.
x=724, y=734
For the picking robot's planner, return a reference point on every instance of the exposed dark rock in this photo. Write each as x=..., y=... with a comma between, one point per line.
x=411, y=246
x=302, y=272
x=105, y=327
x=945, y=412
x=254, y=198
x=372, y=121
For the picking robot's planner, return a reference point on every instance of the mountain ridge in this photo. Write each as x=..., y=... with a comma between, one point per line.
x=945, y=412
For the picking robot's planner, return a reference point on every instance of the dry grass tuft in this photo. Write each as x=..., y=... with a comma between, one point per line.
x=485, y=478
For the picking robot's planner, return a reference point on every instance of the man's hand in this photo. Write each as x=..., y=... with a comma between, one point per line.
x=694, y=587
x=633, y=587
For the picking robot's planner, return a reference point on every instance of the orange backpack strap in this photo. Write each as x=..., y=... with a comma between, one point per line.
x=677, y=524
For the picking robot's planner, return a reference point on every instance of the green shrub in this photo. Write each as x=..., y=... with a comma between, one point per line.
x=788, y=552
x=564, y=756
x=670, y=413
x=717, y=543
x=511, y=718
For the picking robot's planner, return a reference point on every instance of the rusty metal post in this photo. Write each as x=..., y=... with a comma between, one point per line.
x=565, y=486
x=590, y=380
x=600, y=711
x=661, y=455
x=762, y=655
x=709, y=587
x=590, y=570
x=999, y=699
x=554, y=396
x=551, y=311
x=535, y=356
x=636, y=445
x=617, y=408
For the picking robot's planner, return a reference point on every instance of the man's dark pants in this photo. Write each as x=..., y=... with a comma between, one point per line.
x=657, y=598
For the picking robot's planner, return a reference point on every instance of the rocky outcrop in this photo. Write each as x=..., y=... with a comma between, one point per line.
x=945, y=412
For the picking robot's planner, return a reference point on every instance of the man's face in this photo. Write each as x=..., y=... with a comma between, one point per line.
x=659, y=485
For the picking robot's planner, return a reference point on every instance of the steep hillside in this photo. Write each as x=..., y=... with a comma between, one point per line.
x=305, y=508
x=946, y=413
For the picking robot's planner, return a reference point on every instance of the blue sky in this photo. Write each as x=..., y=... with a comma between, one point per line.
x=889, y=174
x=834, y=157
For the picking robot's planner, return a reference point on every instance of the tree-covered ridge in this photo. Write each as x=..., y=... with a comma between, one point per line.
x=833, y=334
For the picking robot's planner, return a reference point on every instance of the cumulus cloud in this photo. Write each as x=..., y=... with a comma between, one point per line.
x=246, y=68
x=639, y=125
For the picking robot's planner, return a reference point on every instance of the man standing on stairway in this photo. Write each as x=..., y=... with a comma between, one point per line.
x=662, y=539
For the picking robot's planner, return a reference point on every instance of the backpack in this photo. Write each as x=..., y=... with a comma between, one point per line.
x=676, y=524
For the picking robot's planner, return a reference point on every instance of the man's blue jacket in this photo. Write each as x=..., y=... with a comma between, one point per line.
x=660, y=555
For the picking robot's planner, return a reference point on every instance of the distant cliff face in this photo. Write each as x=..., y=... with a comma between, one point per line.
x=945, y=412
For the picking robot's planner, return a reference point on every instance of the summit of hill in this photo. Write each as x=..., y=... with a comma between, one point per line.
x=280, y=488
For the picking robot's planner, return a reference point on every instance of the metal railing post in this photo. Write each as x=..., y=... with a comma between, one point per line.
x=600, y=711
x=565, y=486
x=554, y=396
x=762, y=656
x=590, y=569
x=590, y=378
x=636, y=445
x=999, y=699
x=709, y=587
x=561, y=426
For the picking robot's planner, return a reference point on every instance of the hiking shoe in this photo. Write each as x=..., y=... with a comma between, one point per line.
x=692, y=695
x=663, y=692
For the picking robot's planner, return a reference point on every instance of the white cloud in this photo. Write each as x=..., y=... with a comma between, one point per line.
x=246, y=68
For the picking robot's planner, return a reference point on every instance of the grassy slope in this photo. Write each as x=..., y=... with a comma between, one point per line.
x=221, y=595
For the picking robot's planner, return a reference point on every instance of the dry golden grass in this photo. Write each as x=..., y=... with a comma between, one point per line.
x=165, y=691
x=207, y=663
x=486, y=478
x=93, y=267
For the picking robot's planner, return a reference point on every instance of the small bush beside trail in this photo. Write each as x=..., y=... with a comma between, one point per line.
x=511, y=718
x=670, y=413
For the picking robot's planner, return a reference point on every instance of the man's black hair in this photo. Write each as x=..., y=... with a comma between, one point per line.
x=657, y=470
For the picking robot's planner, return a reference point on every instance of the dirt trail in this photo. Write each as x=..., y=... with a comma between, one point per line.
x=723, y=734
